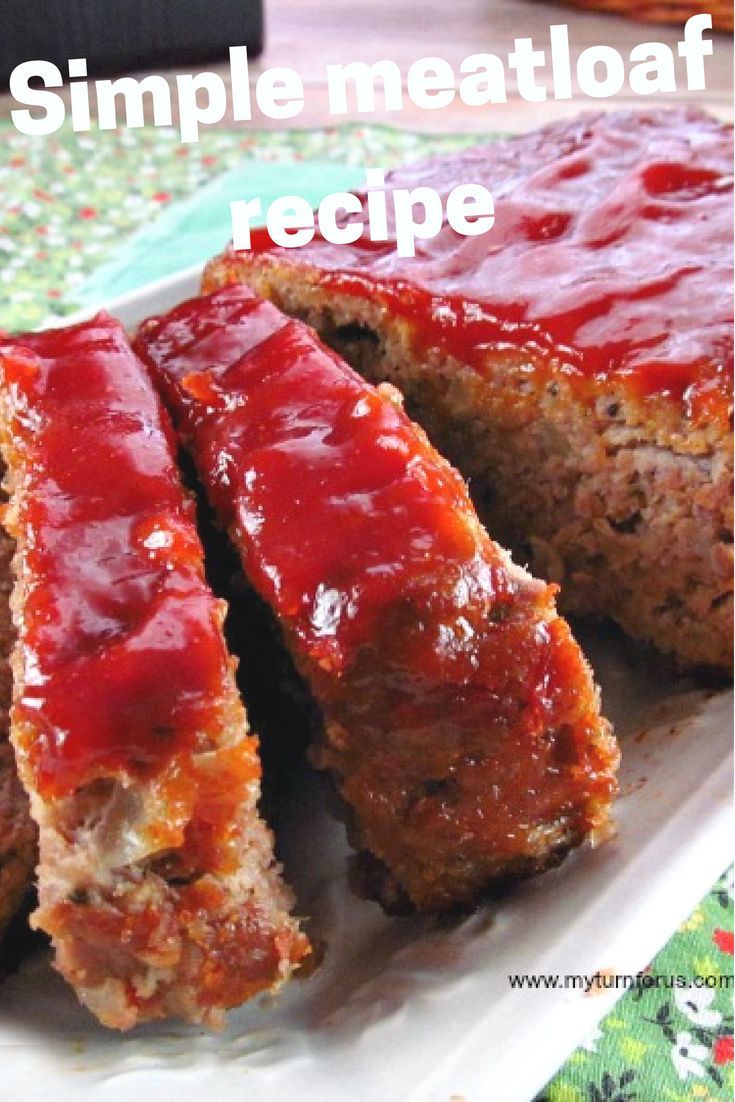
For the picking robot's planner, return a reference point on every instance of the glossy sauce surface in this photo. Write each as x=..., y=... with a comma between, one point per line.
x=460, y=718
x=334, y=495
x=611, y=252
x=123, y=656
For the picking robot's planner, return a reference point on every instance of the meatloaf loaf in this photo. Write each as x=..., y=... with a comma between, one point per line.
x=575, y=361
x=156, y=876
x=460, y=719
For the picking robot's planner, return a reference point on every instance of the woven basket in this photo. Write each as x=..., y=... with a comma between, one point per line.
x=664, y=11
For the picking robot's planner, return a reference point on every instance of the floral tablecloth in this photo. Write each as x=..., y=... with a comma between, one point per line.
x=66, y=204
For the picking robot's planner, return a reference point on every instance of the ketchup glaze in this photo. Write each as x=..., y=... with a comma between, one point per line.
x=611, y=254
x=122, y=651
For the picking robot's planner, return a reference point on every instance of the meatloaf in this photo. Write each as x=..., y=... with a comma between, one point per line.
x=17, y=829
x=460, y=719
x=156, y=876
x=575, y=361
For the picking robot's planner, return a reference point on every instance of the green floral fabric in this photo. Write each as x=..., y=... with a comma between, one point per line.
x=66, y=203
x=666, y=1044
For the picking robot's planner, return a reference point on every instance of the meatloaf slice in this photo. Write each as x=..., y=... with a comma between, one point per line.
x=575, y=361
x=17, y=829
x=461, y=721
x=156, y=875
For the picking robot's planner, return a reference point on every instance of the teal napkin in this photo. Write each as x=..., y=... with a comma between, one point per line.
x=193, y=230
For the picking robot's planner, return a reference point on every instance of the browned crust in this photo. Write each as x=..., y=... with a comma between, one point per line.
x=17, y=830
x=406, y=860
x=625, y=502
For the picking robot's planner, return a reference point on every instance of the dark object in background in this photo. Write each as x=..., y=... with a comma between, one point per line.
x=129, y=34
x=19, y=940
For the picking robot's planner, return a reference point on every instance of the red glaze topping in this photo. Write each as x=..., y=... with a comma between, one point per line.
x=123, y=655
x=460, y=716
x=333, y=494
x=611, y=251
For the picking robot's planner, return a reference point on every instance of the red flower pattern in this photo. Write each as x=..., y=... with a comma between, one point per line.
x=723, y=939
x=723, y=1050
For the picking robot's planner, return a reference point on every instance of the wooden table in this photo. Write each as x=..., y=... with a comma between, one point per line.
x=307, y=36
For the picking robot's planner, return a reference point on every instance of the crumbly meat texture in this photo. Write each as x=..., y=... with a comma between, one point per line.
x=17, y=829
x=575, y=362
x=460, y=719
x=156, y=878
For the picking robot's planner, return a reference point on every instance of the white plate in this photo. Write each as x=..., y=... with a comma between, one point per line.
x=420, y=1010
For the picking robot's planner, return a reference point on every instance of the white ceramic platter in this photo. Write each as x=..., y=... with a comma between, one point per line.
x=420, y=1010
